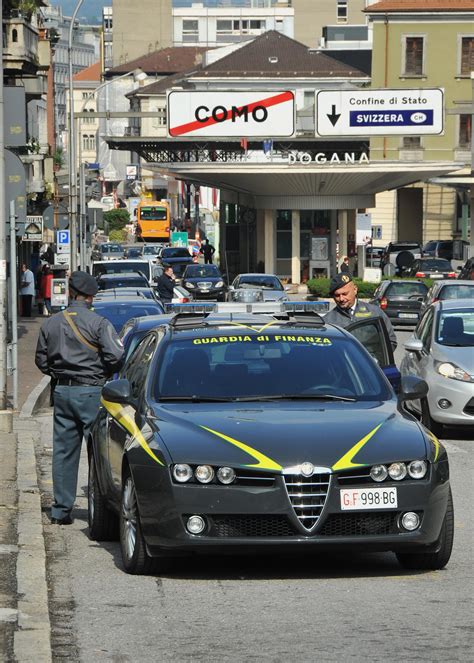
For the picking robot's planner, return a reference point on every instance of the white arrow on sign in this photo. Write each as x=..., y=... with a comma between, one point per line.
x=257, y=113
x=379, y=112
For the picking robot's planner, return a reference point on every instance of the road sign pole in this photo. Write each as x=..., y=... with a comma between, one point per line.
x=13, y=299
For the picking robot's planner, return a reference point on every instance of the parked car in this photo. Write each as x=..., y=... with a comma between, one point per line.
x=127, y=292
x=270, y=287
x=400, y=300
x=432, y=268
x=205, y=282
x=444, y=248
x=119, y=311
x=400, y=255
x=126, y=280
x=448, y=289
x=152, y=251
x=176, y=256
x=467, y=272
x=133, y=252
x=441, y=352
x=150, y=271
x=107, y=251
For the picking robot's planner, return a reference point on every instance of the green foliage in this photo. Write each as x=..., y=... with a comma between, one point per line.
x=118, y=235
x=58, y=158
x=117, y=218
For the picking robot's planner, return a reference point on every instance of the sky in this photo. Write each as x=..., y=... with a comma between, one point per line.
x=90, y=10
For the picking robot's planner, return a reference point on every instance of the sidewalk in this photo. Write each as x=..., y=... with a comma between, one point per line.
x=24, y=617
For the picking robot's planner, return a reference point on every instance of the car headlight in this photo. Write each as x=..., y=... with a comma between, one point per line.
x=378, y=473
x=204, y=473
x=417, y=469
x=397, y=471
x=191, y=286
x=182, y=472
x=450, y=370
x=226, y=475
x=219, y=284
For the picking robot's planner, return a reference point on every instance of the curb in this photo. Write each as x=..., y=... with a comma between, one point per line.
x=32, y=639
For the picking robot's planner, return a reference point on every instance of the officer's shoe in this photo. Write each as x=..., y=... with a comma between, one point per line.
x=67, y=520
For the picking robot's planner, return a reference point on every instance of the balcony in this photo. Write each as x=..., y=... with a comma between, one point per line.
x=20, y=46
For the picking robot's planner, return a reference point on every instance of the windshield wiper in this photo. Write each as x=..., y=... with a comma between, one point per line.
x=304, y=397
x=197, y=399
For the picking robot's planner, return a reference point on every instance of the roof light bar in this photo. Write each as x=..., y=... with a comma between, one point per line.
x=270, y=308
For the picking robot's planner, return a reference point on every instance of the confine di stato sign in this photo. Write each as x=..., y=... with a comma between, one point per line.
x=231, y=114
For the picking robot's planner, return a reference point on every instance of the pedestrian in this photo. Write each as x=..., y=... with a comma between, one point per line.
x=208, y=251
x=344, y=268
x=46, y=284
x=165, y=284
x=27, y=290
x=80, y=350
x=349, y=309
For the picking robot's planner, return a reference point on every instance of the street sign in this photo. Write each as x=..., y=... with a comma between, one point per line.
x=131, y=172
x=379, y=112
x=179, y=239
x=231, y=113
x=63, y=259
x=63, y=241
x=363, y=229
x=33, y=229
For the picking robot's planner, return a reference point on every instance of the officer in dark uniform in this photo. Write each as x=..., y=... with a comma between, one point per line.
x=79, y=350
x=165, y=284
x=349, y=309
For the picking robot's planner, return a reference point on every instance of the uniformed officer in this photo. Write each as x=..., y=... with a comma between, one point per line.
x=79, y=350
x=349, y=309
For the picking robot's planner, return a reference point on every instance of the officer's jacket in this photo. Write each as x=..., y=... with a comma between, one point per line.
x=87, y=350
x=363, y=310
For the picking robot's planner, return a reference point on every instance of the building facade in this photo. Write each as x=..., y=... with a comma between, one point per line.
x=311, y=17
x=140, y=28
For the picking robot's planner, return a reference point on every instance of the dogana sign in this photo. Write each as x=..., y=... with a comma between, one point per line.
x=231, y=114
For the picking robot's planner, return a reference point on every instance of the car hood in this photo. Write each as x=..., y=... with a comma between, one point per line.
x=174, y=261
x=276, y=435
x=463, y=357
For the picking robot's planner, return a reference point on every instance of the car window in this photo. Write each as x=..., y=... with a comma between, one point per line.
x=248, y=365
x=453, y=291
x=194, y=271
x=406, y=289
x=369, y=335
x=175, y=252
x=456, y=328
x=435, y=264
x=135, y=370
x=263, y=281
x=426, y=329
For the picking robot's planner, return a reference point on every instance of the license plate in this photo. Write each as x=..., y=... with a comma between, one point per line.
x=408, y=315
x=353, y=499
x=436, y=276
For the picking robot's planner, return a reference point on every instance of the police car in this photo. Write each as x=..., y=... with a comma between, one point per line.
x=228, y=432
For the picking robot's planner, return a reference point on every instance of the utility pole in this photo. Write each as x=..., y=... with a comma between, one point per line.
x=5, y=418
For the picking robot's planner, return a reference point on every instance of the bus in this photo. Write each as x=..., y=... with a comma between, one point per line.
x=153, y=221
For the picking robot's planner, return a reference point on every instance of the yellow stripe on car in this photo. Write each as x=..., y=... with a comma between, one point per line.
x=345, y=463
x=435, y=441
x=259, y=330
x=117, y=411
x=264, y=462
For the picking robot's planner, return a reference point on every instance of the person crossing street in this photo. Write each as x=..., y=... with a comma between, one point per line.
x=79, y=350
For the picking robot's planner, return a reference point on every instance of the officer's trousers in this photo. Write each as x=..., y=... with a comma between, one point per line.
x=75, y=409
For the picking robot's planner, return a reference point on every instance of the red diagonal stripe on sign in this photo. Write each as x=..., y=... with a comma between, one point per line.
x=269, y=101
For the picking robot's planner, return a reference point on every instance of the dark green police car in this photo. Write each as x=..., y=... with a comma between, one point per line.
x=264, y=432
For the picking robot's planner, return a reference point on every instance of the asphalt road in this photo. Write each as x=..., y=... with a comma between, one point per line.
x=328, y=608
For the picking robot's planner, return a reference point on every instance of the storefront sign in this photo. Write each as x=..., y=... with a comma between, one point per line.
x=331, y=158
x=33, y=229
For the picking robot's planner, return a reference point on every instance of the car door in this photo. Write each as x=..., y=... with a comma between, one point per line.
x=119, y=430
x=373, y=335
x=417, y=363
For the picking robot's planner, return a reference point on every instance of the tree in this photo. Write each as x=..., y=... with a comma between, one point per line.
x=117, y=218
x=118, y=235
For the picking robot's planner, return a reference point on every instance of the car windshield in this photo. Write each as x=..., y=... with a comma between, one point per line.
x=404, y=247
x=111, y=248
x=457, y=292
x=175, y=252
x=406, y=290
x=122, y=267
x=435, y=264
x=260, y=281
x=247, y=366
x=151, y=250
x=152, y=213
x=456, y=328
x=196, y=271
x=134, y=253
x=106, y=284
x=119, y=313
x=430, y=246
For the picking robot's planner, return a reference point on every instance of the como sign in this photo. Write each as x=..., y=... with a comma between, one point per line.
x=230, y=114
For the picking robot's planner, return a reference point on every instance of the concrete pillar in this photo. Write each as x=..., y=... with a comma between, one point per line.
x=270, y=241
x=333, y=243
x=295, y=247
x=342, y=225
x=261, y=236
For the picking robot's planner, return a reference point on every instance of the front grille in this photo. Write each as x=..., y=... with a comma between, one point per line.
x=204, y=285
x=251, y=526
x=359, y=524
x=307, y=496
x=355, y=476
x=251, y=478
x=469, y=409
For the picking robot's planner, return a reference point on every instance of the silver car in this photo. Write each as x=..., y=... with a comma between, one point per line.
x=257, y=287
x=448, y=289
x=441, y=351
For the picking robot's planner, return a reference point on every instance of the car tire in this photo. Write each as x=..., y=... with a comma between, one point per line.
x=427, y=420
x=103, y=523
x=437, y=560
x=135, y=558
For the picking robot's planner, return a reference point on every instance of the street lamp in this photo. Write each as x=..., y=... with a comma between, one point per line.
x=138, y=75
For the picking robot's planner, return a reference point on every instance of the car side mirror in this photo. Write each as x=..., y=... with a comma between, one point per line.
x=412, y=388
x=287, y=287
x=414, y=345
x=118, y=391
x=231, y=287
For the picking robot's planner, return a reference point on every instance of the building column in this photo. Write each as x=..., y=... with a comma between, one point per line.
x=270, y=241
x=295, y=247
x=333, y=243
x=342, y=234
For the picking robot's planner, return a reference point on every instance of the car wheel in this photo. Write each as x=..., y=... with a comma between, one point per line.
x=134, y=555
x=437, y=560
x=427, y=420
x=103, y=523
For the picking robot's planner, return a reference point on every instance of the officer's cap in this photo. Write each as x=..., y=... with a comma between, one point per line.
x=339, y=281
x=83, y=283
